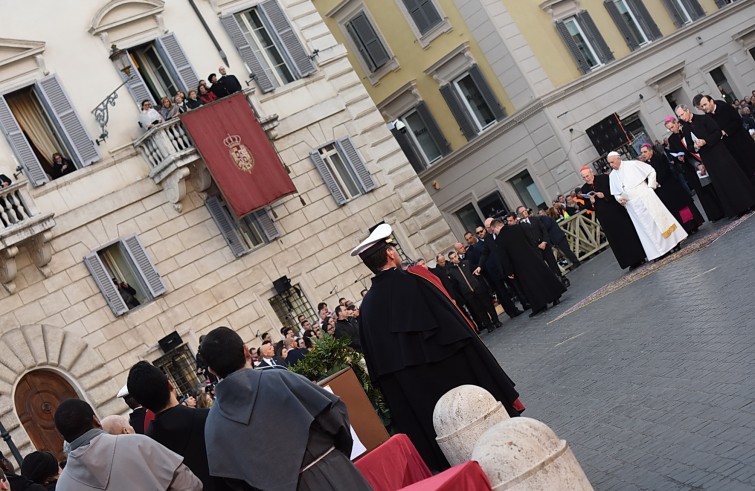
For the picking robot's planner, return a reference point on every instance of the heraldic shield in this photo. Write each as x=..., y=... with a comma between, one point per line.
x=240, y=154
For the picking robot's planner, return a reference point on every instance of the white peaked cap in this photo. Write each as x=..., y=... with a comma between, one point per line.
x=378, y=236
x=613, y=154
x=123, y=392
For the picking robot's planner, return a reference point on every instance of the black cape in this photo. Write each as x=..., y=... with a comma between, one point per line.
x=181, y=429
x=738, y=140
x=736, y=192
x=687, y=165
x=267, y=425
x=616, y=224
x=418, y=346
x=672, y=194
x=136, y=420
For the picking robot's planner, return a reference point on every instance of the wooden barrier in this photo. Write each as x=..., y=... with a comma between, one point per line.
x=584, y=234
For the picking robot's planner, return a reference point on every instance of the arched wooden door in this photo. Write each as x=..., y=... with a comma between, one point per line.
x=38, y=395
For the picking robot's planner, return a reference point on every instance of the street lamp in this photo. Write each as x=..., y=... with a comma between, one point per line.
x=122, y=61
x=12, y=446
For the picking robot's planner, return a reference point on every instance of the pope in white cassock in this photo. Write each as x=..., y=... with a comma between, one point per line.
x=632, y=184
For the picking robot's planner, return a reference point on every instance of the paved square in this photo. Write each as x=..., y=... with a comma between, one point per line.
x=653, y=386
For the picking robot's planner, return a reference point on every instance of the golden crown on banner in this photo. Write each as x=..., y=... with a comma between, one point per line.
x=240, y=154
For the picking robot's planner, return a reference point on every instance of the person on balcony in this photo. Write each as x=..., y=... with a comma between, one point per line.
x=61, y=166
x=205, y=95
x=168, y=109
x=179, y=101
x=229, y=82
x=193, y=101
x=149, y=117
x=5, y=181
x=217, y=88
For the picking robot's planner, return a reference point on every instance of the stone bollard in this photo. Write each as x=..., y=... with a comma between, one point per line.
x=461, y=416
x=523, y=454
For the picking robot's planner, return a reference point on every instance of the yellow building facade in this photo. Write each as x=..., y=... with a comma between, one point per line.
x=493, y=100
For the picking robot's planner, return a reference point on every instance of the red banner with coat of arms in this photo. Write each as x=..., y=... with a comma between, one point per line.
x=238, y=154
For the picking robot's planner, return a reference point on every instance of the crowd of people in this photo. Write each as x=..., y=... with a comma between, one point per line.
x=181, y=102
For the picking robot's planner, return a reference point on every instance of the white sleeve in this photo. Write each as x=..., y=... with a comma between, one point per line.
x=651, y=180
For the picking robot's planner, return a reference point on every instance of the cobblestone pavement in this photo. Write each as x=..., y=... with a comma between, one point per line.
x=653, y=386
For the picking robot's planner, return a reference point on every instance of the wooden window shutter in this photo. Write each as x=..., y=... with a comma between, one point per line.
x=582, y=63
x=144, y=265
x=347, y=150
x=289, y=41
x=451, y=96
x=231, y=26
x=20, y=146
x=327, y=177
x=177, y=61
x=226, y=225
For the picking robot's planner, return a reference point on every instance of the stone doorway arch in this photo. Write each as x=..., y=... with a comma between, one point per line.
x=43, y=347
x=38, y=395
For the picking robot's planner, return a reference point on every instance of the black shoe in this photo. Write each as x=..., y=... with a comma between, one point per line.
x=491, y=329
x=497, y=324
x=526, y=306
x=556, y=302
x=538, y=311
x=516, y=313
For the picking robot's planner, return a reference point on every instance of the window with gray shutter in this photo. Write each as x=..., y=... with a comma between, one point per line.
x=627, y=30
x=487, y=93
x=281, y=27
x=20, y=146
x=144, y=265
x=343, y=170
x=693, y=8
x=250, y=58
x=432, y=127
x=104, y=282
x=406, y=144
x=677, y=12
x=423, y=13
x=594, y=37
x=136, y=85
x=266, y=224
x=582, y=58
x=367, y=41
x=648, y=25
x=723, y=3
x=346, y=149
x=177, y=62
x=453, y=99
x=51, y=93
x=226, y=225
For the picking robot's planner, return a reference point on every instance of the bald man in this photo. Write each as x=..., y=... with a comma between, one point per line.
x=117, y=425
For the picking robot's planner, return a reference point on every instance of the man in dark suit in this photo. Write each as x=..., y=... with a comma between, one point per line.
x=535, y=229
x=229, y=82
x=475, y=294
x=558, y=239
x=268, y=358
x=490, y=267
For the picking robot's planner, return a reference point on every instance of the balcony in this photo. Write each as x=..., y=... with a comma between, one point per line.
x=172, y=157
x=21, y=224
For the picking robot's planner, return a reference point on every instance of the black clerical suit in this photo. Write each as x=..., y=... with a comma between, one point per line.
x=734, y=189
x=557, y=237
x=475, y=295
x=346, y=328
x=230, y=83
x=181, y=429
x=418, y=346
x=490, y=264
x=687, y=161
x=521, y=257
x=538, y=233
x=616, y=224
x=737, y=140
x=673, y=195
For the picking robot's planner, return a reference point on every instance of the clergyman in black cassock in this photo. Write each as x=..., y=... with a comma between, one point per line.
x=274, y=430
x=736, y=192
x=737, y=139
x=670, y=192
x=521, y=258
x=688, y=162
x=418, y=346
x=614, y=220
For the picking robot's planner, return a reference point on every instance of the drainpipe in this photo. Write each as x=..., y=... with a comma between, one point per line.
x=209, y=32
x=12, y=446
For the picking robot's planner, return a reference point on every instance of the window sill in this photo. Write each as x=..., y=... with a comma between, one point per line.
x=391, y=66
x=441, y=28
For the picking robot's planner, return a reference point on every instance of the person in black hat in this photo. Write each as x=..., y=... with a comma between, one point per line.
x=418, y=346
x=217, y=88
x=41, y=468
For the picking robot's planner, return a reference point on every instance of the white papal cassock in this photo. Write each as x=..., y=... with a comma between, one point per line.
x=657, y=228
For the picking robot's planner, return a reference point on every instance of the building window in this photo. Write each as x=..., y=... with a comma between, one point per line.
x=684, y=11
x=584, y=41
x=724, y=3
x=722, y=84
x=469, y=217
x=634, y=22
x=527, y=191
x=638, y=136
x=125, y=275
x=180, y=366
x=368, y=43
x=420, y=138
x=268, y=44
x=493, y=205
x=424, y=14
x=39, y=121
x=343, y=170
x=159, y=69
x=472, y=102
x=290, y=304
x=244, y=234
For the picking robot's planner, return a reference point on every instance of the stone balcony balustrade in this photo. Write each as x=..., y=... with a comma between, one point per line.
x=171, y=155
x=22, y=225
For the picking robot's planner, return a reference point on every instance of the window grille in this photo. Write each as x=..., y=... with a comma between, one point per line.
x=289, y=305
x=180, y=366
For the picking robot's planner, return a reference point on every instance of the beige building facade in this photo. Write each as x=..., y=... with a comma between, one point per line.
x=141, y=206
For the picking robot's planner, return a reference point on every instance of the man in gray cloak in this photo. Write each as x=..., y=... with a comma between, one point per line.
x=274, y=430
